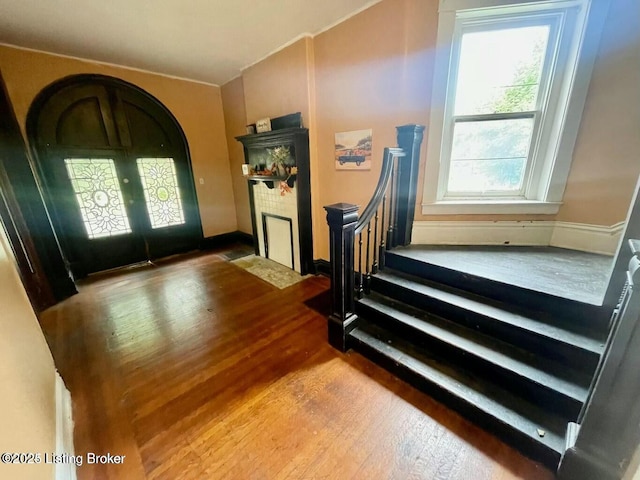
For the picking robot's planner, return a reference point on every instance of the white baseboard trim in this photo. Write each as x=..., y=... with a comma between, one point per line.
x=588, y=238
x=575, y=236
x=64, y=431
x=482, y=233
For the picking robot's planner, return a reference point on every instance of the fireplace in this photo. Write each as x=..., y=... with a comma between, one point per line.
x=276, y=219
x=277, y=170
x=278, y=240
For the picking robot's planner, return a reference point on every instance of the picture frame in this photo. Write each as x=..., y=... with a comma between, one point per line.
x=263, y=125
x=353, y=150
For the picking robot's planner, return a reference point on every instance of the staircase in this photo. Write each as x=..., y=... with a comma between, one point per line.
x=517, y=362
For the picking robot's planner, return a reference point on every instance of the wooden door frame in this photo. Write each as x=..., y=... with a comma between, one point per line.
x=118, y=139
x=25, y=218
x=27, y=260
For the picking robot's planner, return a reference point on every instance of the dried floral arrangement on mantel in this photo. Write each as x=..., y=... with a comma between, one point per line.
x=280, y=165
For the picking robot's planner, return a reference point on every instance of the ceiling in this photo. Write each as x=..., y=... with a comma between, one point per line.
x=206, y=40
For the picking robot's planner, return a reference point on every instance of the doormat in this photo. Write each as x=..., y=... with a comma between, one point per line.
x=270, y=271
x=239, y=252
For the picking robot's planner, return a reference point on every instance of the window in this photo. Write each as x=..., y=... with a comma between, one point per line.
x=161, y=191
x=509, y=87
x=97, y=189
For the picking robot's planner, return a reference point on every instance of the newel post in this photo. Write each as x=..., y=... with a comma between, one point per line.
x=409, y=139
x=342, y=219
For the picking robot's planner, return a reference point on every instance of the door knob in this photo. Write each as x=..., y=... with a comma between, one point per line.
x=125, y=180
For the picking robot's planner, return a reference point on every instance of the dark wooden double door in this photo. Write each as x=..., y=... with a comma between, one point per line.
x=117, y=175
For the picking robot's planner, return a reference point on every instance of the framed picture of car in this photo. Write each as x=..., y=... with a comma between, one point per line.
x=353, y=150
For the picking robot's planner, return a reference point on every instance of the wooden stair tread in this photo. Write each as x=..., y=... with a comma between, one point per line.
x=550, y=271
x=489, y=350
x=570, y=314
x=478, y=396
x=493, y=309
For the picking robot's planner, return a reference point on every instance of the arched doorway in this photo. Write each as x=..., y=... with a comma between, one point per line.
x=115, y=171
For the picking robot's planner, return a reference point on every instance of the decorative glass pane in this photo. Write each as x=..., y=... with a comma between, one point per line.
x=161, y=192
x=95, y=183
x=489, y=155
x=500, y=70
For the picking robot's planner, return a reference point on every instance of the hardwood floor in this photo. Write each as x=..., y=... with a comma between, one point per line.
x=194, y=368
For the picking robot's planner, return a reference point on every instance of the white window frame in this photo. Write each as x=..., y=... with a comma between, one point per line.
x=579, y=23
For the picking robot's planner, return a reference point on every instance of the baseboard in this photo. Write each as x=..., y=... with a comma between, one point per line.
x=245, y=238
x=588, y=238
x=574, y=236
x=224, y=239
x=64, y=431
x=323, y=267
x=482, y=233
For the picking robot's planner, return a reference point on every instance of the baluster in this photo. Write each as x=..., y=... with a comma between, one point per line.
x=393, y=193
x=360, y=287
x=374, y=267
x=396, y=205
x=382, y=244
x=368, y=277
x=393, y=223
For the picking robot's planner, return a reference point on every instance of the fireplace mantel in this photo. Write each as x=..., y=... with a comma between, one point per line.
x=279, y=202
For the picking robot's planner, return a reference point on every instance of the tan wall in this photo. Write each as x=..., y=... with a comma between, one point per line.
x=606, y=161
x=371, y=71
x=197, y=107
x=360, y=84
x=235, y=120
x=27, y=376
x=278, y=85
x=284, y=83
x=374, y=70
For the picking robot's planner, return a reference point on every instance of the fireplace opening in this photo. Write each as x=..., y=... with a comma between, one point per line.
x=278, y=239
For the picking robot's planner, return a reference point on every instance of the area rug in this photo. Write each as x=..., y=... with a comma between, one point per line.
x=270, y=271
x=238, y=252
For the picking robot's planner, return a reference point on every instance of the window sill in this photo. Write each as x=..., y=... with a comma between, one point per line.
x=483, y=207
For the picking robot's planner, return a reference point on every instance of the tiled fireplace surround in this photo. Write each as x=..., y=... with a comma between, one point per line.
x=280, y=214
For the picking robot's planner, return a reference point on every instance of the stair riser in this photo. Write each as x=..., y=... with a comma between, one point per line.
x=569, y=355
x=522, y=442
x=567, y=311
x=540, y=394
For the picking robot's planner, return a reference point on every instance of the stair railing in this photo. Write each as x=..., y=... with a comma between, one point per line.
x=385, y=223
x=381, y=211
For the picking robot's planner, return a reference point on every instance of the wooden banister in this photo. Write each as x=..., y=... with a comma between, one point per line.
x=388, y=158
x=385, y=223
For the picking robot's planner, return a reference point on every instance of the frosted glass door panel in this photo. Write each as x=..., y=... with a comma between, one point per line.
x=161, y=191
x=97, y=190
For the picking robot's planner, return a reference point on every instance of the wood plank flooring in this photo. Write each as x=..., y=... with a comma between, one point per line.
x=194, y=368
